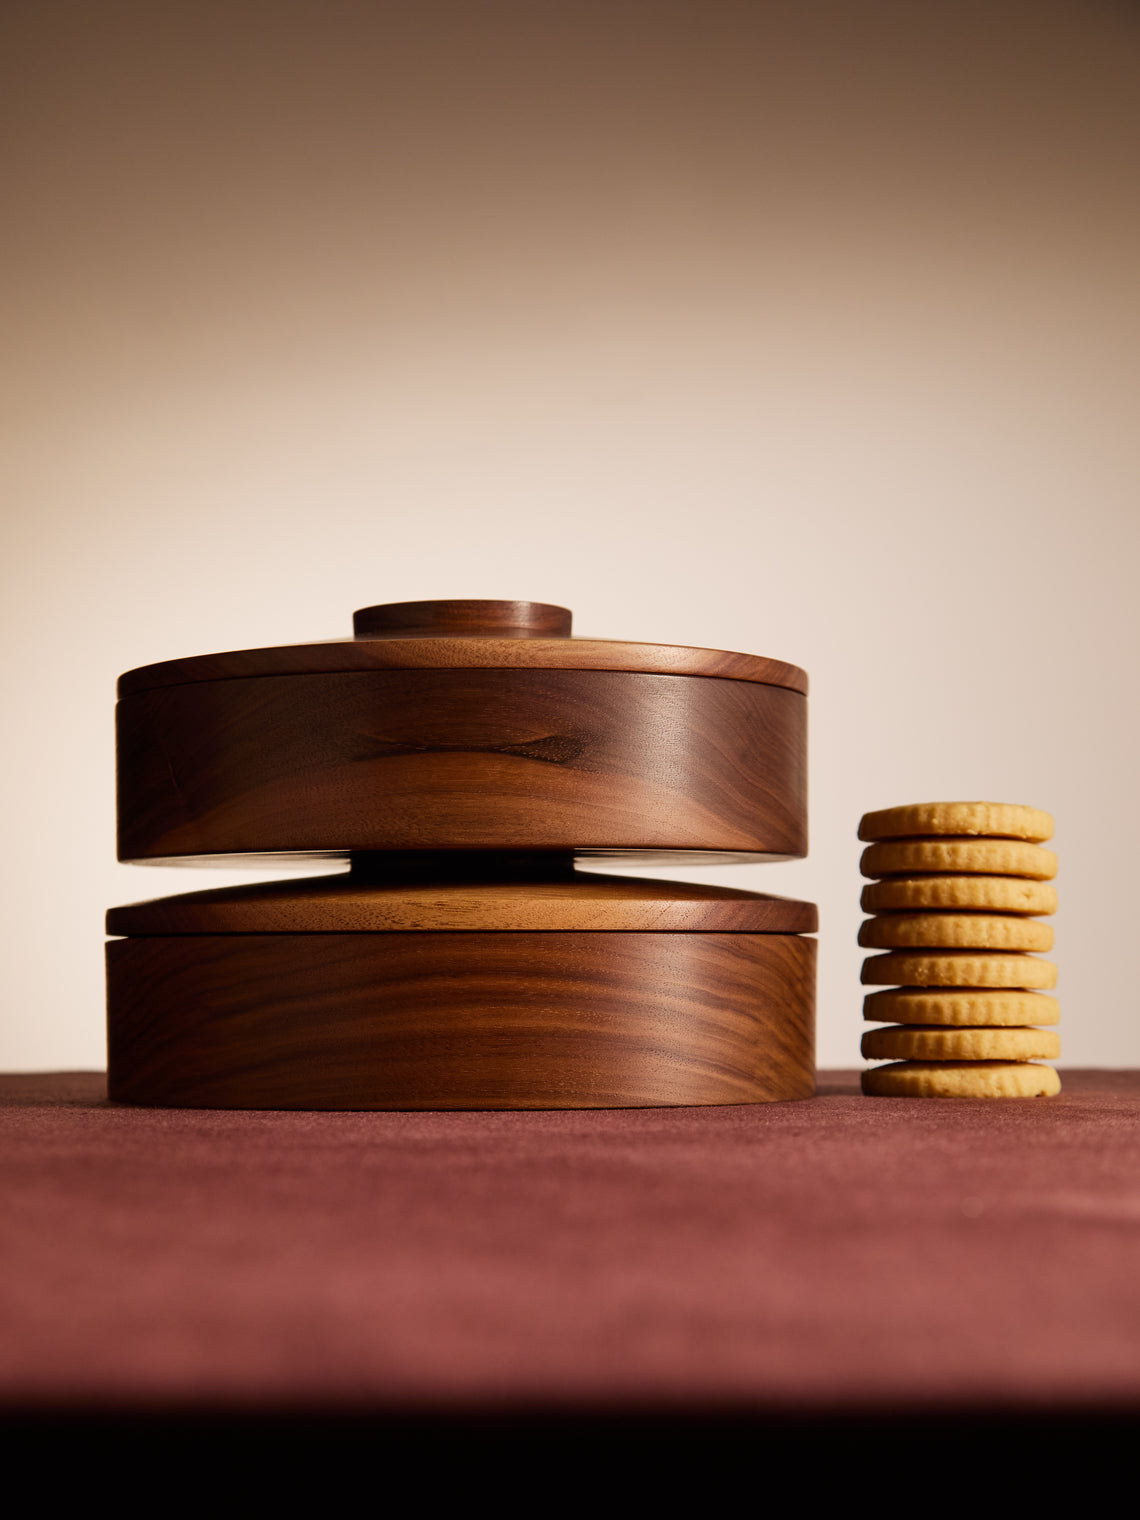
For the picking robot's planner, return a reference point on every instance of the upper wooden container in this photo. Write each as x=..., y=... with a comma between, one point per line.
x=470, y=725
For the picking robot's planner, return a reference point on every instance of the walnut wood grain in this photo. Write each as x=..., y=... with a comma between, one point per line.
x=468, y=759
x=352, y=903
x=462, y=619
x=459, y=1021
x=470, y=653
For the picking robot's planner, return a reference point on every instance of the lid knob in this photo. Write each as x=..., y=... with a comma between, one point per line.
x=459, y=620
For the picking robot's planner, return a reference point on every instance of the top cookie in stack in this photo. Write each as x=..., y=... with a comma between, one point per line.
x=960, y=884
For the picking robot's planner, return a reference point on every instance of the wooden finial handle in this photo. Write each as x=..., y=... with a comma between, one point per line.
x=456, y=620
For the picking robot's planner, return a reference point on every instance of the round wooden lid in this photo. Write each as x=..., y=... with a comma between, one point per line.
x=359, y=903
x=450, y=635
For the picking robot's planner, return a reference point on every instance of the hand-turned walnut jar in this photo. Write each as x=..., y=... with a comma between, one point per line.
x=461, y=757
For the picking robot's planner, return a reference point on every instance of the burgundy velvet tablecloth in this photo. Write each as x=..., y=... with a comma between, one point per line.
x=840, y=1254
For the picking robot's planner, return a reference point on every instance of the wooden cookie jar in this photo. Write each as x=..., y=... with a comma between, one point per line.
x=461, y=756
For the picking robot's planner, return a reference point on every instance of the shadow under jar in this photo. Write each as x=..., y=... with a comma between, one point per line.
x=461, y=756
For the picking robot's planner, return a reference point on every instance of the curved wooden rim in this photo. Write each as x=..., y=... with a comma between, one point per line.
x=582, y=903
x=335, y=656
x=308, y=860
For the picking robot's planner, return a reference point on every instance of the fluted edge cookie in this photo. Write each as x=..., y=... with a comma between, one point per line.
x=980, y=894
x=965, y=1007
x=961, y=1079
x=983, y=857
x=993, y=820
x=926, y=1042
x=954, y=931
x=957, y=968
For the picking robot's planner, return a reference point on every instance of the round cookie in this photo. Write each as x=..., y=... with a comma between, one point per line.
x=957, y=968
x=961, y=1079
x=954, y=931
x=992, y=820
x=978, y=894
x=926, y=1042
x=984, y=857
x=959, y=1008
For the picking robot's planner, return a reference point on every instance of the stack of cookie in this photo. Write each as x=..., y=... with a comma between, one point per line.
x=959, y=887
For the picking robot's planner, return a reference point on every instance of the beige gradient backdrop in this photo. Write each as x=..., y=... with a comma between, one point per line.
x=807, y=329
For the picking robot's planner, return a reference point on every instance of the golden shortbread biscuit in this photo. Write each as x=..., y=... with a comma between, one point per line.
x=991, y=820
x=929, y=1042
x=954, y=931
x=963, y=1007
x=984, y=857
x=961, y=1079
x=979, y=894
x=957, y=968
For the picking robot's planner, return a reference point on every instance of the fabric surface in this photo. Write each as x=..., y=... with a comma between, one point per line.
x=843, y=1253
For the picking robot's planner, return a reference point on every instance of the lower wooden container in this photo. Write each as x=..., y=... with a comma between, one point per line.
x=356, y=993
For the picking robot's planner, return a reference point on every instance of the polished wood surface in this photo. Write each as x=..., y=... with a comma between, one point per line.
x=357, y=903
x=461, y=755
x=463, y=619
x=466, y=653
x=460, y=1020
x=468, y=759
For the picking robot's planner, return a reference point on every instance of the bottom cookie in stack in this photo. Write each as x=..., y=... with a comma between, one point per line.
x=954, y=912
x=961, y=1079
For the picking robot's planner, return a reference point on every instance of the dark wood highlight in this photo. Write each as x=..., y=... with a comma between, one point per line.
x=459, y=619
x=458, y=1021
x=462, y=759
